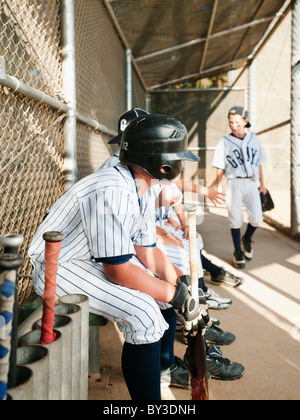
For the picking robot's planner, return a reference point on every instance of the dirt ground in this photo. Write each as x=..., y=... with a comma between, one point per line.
x=264, y=316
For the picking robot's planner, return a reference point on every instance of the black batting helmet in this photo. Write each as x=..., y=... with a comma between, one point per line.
x=156, y=143
x=124, y=120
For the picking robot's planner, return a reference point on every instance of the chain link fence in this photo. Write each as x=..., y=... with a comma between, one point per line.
x=204, y=113
x=33, y=109
x=31, y=140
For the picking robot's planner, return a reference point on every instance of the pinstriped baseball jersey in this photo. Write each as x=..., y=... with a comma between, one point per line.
x=240, y=158
x=175, y=253
x=102, y=219
x=112, y=161
x=178, y=256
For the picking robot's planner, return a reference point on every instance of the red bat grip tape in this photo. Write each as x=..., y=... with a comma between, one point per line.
x=52, y=250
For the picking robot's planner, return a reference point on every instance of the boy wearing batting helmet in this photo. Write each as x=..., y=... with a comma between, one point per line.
x=105, y=224
x=239, y=156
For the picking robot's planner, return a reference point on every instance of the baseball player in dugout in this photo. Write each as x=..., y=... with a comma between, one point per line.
x=239, y=156
x=109, y=252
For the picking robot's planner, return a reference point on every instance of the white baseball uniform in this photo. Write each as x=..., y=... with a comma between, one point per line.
x=176, y=253
x=102, y=218
x=178, y=256
x=240, y=159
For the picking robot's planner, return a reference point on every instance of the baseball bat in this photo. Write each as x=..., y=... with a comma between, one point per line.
x=53, y=241
x=11, y=243
x=9, y=263
x=196, y=344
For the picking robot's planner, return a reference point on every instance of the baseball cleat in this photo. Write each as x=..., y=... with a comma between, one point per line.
x=214, y=335
x=248, y=251
x=222, y=368
x=177, y=375
x=239, y=259
x=226, y=278
x=215, y=301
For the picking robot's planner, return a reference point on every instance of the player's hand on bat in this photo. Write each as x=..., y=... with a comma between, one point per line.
x=185, y=230
x=204, y=308
x=188, y=307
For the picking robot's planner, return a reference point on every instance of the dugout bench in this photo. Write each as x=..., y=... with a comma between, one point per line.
x=95, y=321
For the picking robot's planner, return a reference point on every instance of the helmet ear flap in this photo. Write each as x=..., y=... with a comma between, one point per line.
x=157, y=144
x=166, y=169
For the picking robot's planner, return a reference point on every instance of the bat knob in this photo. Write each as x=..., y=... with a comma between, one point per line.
x=53, y=236
x=11, y=242
x=190, y=208
x=10, y=261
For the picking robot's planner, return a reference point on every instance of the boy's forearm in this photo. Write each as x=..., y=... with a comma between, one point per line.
x=133, y=277
x=158, y=263
x=261, y=176
x=220, y=173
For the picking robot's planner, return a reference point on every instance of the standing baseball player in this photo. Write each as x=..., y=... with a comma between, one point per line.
x=239, y=156
x=105, y=224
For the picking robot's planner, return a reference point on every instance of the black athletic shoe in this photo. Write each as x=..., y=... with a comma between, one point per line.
x=239, y=259
x=177, y=375
x=221, y=368
x=186, y=362
x=248, y=251
x=215, y=335
x=226, y=278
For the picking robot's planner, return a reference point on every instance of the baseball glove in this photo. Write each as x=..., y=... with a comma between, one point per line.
x=267, y=203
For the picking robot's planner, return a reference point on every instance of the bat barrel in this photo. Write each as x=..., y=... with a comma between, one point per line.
x=193, y=251
x=196, y=347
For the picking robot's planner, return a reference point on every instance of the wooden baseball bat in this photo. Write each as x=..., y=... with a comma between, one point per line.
x=52, y=249
x=196, y=344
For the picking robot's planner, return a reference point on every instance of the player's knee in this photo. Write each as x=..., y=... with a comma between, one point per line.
x=255, y=222
x=145, y=325
x=236, y=224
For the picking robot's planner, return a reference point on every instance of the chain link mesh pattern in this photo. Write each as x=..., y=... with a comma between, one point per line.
x=204, y=113
x=31, y=145
x=31, y=135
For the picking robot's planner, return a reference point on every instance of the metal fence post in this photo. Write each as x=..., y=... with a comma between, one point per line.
x=252, y=99
x=128, y=79
x=295, y=119
x=69, y=87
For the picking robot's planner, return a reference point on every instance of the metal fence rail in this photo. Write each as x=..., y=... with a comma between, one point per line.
x=35, y=104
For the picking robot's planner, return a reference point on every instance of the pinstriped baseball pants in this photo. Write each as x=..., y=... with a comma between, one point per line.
x=137, y=314
x=243, y=191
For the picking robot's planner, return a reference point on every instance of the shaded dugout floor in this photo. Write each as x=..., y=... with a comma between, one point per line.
x=264, y=316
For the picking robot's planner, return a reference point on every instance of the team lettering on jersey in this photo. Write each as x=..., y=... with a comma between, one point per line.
x=237, y=157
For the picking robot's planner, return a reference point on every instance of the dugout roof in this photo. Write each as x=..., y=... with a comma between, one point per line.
x=174, y=40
